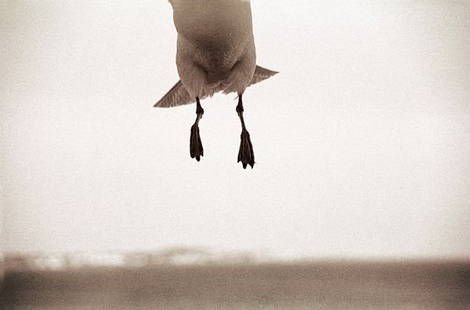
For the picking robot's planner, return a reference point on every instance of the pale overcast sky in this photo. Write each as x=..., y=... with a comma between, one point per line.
x=362, y=141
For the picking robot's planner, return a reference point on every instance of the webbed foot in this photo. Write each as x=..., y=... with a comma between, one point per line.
x=245, y=154
x=195, y=145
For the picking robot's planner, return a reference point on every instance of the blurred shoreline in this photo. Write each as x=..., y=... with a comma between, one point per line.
x=14, y=262
x=187, y=256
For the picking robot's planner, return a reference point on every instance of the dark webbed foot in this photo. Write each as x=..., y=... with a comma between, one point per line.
x=195, y=145
x=245, y=154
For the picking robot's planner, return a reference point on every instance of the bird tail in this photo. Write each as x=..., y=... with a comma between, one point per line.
x=177, y=95
x=261, y=74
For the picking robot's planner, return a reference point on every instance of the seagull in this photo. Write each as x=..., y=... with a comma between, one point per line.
x=215, y=53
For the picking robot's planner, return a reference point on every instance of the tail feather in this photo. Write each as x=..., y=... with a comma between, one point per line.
x=177, y=95
x=262, y=74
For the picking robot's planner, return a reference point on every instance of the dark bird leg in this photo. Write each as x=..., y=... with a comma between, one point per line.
x=245, y=154
x=195, y=144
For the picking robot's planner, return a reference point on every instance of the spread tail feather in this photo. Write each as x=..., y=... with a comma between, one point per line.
x=262, y=74
x=177, y=95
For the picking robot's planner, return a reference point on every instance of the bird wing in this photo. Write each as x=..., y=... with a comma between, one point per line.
x=261, y=74
x=177, y=95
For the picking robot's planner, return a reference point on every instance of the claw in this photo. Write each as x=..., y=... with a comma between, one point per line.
x=195, y=145
x=246, y=155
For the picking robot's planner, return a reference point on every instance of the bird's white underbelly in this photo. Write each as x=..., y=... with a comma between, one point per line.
x=216, y=56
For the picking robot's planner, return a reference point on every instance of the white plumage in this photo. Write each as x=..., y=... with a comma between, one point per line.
x=215, y=50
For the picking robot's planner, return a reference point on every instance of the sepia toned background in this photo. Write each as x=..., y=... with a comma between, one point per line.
x=360, y=197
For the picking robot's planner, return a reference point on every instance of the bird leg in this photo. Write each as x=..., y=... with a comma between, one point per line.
x=245, y=154
x=195, y=144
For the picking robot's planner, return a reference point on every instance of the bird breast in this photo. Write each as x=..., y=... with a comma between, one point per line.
x=215, y=34
x=224, y=22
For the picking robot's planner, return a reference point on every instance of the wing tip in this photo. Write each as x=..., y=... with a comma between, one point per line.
x=269, y=71
x=159, y=105
x=176, y=96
